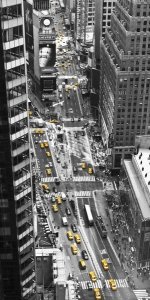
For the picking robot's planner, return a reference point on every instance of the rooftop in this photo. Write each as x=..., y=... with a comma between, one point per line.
x=139, y=173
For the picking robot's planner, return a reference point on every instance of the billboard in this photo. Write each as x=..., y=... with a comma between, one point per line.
x=28, y=18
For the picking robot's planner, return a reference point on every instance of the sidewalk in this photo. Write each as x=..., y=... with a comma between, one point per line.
x=118, y=232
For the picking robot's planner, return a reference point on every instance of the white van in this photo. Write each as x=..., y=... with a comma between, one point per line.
x=60, y=96
x=64, y=221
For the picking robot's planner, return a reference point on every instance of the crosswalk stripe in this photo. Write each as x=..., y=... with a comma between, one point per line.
x=99, y=284
x=82, y=193
x=83, y=284
x=84, y=178
x=141, y=294
x=107, y=283
x=121, y=283
x=95, y=285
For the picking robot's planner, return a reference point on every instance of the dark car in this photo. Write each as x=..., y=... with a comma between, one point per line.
x=54, y=189
x=84, y=255
x=58, y=159
x=89, y=285
x=57, y=181
x=68, y=211
x=83, y=133
x=74, y=227
x=75, y=170
x=75, y=135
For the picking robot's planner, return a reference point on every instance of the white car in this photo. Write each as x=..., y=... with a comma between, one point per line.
x=63, y=195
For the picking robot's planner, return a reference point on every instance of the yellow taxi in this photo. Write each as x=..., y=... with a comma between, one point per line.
x=93, y=276
x=113, y=285
x=76, y=84
x=48, y=154
x=74, y=249
x=82, y=264
x=46, y=144
x=42, y=145
x=58, y=199
x=77, y=238
x=69, y=235
x=44, y=186
x=55, y=207
x=83, y=165
x=36, y=131
x=30, y=113
x=66, y=89
x=40, y=131
x=48, y=171
x=90, y=170
x=105, y=264
x=54, y=121
x=97, y=294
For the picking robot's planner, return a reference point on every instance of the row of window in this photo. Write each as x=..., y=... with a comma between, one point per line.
x=110, y=3
x=11, y=12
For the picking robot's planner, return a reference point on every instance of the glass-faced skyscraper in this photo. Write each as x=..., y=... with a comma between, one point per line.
x=16, y=218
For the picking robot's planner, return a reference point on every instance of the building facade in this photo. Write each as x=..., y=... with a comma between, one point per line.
x=125, y=78
x=84, y=22
x=47, y=57
x=135, y=198
x=102, y=21
x=41, y=4
x=16, y=217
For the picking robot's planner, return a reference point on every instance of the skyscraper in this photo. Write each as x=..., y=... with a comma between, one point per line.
x=84, y=21
x=125, y=78
x=103, y=10
x=16, y=218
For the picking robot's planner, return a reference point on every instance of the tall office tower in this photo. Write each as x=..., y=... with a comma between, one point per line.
x=103, y=10
x=125, y=78
x=84, y=21
x=16, y=217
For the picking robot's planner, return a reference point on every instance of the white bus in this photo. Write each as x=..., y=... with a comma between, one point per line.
x=89, y=214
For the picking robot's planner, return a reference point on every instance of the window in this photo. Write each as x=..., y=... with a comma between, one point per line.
x=3, y=202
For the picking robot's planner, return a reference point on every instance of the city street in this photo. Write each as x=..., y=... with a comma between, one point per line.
x=72, y=161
